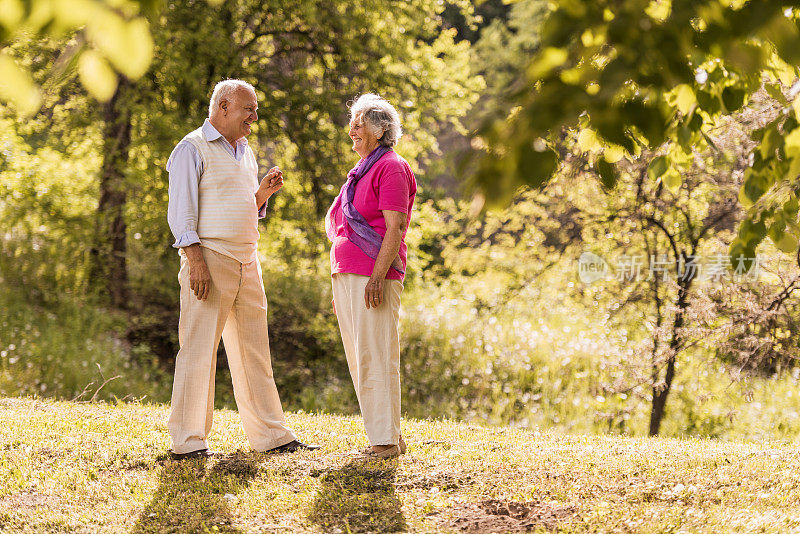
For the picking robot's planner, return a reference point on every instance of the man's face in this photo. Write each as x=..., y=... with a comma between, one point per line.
x=239, y=113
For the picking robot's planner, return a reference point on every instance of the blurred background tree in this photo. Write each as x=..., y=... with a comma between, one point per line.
x=647, y=71
x=109, y=40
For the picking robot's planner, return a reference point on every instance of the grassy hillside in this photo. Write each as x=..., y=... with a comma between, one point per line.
x=72, y=467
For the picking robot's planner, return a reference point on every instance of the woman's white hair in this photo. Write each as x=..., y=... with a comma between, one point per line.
x=378, y=115
x=225, y=89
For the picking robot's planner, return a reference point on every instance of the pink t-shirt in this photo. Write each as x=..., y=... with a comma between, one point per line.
x=388, y=185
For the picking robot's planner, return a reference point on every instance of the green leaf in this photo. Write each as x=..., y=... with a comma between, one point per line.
x=685, y=98
x=17, y=87
x=657, y=167
x=787, y=74
x=547, y=60
x=752, y=232
x=775, y=92
x=608, y=174
x=739, y=252
x=587, y=141
x=791, y=207
x=708, y=102
x=733, y=98
x=793, y=227
x=709, y=141
x=796, y=107
x=684, y=136
x=744, y=199
x=759, y=163
x=612, y=129
x=792, y=143
x=776, y=230
x=785, y=241
x=696, y=122
x=771, y=142
x=127, y=44
x=716, y=74
x=140, y=49
x=784, y=35
x=613, y=153
x=789, y=124
x=753, y=188
x=646, y=118
x=535, y=168
x=745, y=56
x=97, y=76
x=11, y=13
x=659, y=10
x=672, y=179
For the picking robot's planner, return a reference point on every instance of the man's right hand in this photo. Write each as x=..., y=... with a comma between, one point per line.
x=199, y=277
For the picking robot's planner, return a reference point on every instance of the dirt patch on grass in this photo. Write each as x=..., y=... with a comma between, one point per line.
x=240, y=465
x=443, y=480
x=359, y=497
x=28, y=499
x=493, y=515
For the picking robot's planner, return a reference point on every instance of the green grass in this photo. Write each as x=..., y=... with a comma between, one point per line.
x=96, y=467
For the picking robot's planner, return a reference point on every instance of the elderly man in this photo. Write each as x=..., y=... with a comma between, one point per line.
x=215, y=201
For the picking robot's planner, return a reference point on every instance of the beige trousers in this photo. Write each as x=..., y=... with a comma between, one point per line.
x=236, y=309
x=372, y=346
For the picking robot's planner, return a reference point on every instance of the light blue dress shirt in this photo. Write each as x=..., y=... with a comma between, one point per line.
x=185, y=167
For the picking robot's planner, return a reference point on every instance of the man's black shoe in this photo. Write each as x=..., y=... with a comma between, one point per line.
x=202, y=453
x=294, y=446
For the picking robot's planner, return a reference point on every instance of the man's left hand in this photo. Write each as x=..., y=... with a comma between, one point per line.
x=272, y=181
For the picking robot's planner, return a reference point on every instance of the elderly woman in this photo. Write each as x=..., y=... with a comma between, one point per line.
x=367, y=226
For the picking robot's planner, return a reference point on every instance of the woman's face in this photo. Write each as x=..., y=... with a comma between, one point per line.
x=364, y=140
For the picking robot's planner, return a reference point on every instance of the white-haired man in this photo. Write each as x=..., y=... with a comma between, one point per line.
x=215, y=201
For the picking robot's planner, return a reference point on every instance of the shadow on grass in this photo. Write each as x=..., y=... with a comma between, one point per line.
x=191, y=498
x=359, y=497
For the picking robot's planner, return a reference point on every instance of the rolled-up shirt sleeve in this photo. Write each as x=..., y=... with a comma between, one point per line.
x=184, y=167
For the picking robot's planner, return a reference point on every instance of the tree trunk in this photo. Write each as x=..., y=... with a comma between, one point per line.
x=109, y=273
x=660, y=393
x=660, y=397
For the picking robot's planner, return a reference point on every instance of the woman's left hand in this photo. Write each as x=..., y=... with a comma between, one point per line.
x=373, y=293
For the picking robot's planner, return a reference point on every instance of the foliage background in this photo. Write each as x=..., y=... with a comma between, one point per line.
x=496, y=327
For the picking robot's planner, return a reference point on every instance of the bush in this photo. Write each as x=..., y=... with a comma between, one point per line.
x=65, y=346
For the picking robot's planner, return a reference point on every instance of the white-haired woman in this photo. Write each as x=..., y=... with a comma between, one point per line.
x=367, y=226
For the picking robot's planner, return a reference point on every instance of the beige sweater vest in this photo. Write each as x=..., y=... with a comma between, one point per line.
x=227, y=221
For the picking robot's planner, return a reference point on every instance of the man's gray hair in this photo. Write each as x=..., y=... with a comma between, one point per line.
x=225, y=89
x=379, y=116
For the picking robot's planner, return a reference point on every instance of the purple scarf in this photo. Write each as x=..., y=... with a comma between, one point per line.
x=362, y=235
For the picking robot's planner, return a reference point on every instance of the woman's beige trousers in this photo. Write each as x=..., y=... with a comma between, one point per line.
x=372, y=346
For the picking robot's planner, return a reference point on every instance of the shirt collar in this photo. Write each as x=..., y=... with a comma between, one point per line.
x=212, y=134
